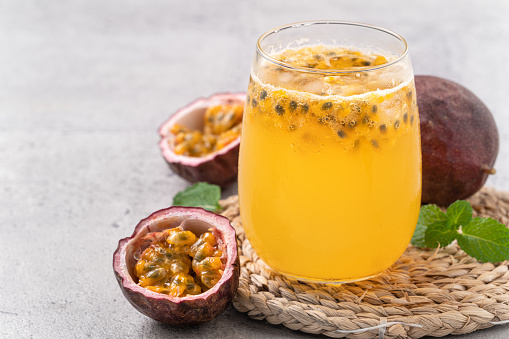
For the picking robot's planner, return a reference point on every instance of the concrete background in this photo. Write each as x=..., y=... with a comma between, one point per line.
x=84, y=86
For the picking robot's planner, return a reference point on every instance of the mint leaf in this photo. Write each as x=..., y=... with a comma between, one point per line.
x=201, y=194
x=459, y=213
x=427, y=216
x=485, y=239
x=440, y=233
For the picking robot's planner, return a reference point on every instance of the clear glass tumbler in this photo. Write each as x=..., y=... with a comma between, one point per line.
x=330, y=156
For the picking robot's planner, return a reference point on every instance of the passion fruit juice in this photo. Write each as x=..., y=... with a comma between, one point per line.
x=329, y=184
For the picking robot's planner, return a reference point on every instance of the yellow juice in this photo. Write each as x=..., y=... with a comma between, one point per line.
x=329, y=184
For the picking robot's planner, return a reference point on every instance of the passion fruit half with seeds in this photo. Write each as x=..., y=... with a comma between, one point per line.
x=200, y=156
x=173, y=225
x=459, y=140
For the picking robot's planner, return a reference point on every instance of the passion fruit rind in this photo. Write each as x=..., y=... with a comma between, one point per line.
x=188, y=310
x=459, y=140
x=219, y=167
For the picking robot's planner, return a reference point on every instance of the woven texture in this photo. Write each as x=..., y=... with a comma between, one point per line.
x=426, y=292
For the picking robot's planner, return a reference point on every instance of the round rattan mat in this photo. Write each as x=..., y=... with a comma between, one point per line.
x=426, y=292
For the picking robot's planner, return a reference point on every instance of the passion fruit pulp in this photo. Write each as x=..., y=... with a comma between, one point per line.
x=190, y=309
x=219, y=167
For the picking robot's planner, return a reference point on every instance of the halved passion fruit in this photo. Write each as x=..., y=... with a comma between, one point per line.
x=165, y=269
x=201, y=141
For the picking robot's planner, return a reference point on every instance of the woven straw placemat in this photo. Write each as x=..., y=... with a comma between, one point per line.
x=426, y=292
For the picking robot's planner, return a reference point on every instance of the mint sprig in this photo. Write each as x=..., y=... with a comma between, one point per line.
x=485, y=239
x=201, y=194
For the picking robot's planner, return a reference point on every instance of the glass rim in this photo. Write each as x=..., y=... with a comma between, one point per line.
x=265, y=55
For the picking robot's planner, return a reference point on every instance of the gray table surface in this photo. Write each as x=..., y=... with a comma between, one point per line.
x=84, y=85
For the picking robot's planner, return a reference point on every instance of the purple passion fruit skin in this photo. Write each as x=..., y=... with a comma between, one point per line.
x=191, y=309
x=220, y=167
x=459, y=140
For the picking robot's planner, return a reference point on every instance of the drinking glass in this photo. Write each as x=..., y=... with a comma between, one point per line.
x=330, y=156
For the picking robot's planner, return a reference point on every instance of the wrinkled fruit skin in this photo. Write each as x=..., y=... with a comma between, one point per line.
x=219, y=168
x=459, y=140
x=185, y=311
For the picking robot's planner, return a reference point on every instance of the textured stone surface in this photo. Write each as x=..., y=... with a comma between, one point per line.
x=84, y=85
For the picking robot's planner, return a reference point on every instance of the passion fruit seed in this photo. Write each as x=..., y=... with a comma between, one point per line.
x=205, y=238
x=210, y=278
x=179, y=266
x=165, y=267
x=181, y=238
x=327, y=105
x=203, y=252
x=280, y=110
x=183, y=284
x=263, y=95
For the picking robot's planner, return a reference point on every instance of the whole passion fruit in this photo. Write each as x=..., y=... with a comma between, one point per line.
x=219, y=167
x=190, y=309
x=459, y=140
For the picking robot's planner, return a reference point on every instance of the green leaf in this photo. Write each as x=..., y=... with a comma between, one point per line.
x=201, y=194
x=441, y=233
x=459, y=213
x=427, y=216
x=485, y=239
